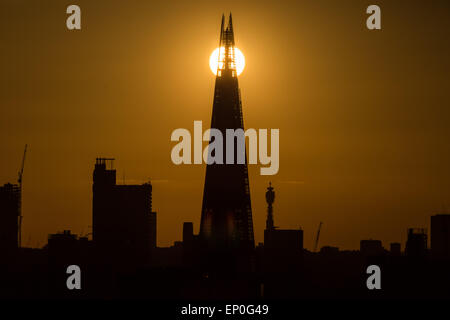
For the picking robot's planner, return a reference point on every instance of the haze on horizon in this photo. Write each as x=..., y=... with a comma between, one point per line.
x=363, y=115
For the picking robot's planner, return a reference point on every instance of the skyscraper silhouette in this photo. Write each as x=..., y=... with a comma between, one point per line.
x=9, y=214
x=123, y=220
x=440, y=235
x=226, y=221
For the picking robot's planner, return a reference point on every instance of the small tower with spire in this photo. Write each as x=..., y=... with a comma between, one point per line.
x=270, y=198
x=280, y=241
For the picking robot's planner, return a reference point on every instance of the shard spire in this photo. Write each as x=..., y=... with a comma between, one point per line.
x=227, y=54
x=226, y=220
x=230, y=24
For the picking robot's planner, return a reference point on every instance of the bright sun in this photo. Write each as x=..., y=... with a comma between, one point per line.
x=214, y=60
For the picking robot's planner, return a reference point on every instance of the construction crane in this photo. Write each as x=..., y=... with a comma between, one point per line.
x=317, y=237
x=19, y=180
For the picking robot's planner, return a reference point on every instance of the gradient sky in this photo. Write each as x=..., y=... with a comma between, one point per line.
x=363, y=115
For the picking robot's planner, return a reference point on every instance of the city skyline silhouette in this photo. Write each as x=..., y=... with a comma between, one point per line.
x=361, y=140
x=363, y=177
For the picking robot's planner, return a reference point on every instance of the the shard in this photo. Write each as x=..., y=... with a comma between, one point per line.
x=226, y=220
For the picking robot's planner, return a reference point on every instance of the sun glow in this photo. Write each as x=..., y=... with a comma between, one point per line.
x=214, y=60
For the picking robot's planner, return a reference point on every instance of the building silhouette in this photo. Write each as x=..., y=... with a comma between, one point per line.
x=395, y=249
x=123, y=220
x=280, y=260
x=9, y=217
x=188, y=233
x=274, y=238
x=371, y=247
x=440, y=235
x=226, y=218
x=329, y=250
x=416, y=244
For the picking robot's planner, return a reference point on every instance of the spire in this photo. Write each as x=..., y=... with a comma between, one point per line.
x=229, y=32
x=227, y=58
x=270, y=198
x=222, y=30
x=230, y=24
x=226, y=218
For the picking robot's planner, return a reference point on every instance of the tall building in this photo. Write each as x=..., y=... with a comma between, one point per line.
x=416, y=245
x=9, y=217
x=278, y=239
x=226, y=219
x=440, y=235
x=123, y=220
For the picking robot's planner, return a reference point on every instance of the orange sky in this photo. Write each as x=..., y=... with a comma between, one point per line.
x=363, y=115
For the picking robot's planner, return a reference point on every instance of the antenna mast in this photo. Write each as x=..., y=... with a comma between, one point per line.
x=19, y=180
